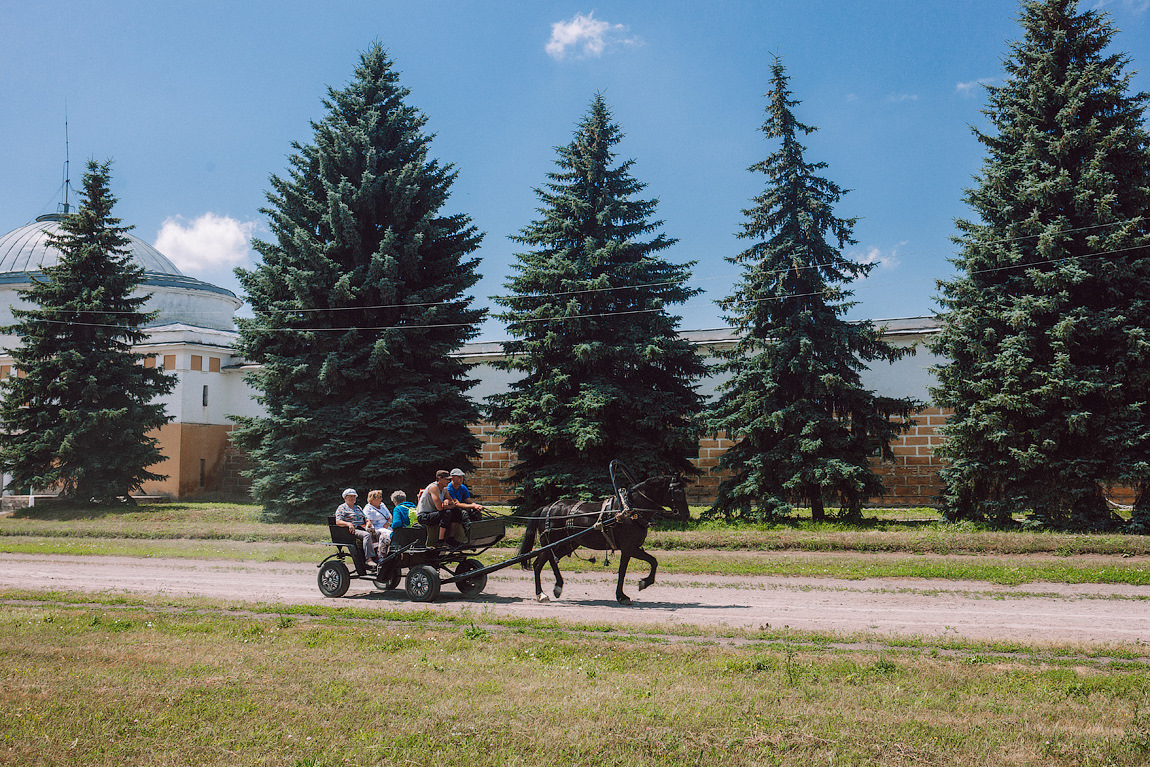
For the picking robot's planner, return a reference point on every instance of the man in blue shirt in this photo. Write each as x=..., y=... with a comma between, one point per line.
x=461, y=494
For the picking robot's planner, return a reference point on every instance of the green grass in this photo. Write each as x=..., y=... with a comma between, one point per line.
x=109, y=683
x=932, y=549
x=206, y=521
x=111, y=679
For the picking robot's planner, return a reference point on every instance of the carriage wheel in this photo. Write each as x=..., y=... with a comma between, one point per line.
x=334, y=578
x=388, y=579
x=470, y=587
x=422, y=583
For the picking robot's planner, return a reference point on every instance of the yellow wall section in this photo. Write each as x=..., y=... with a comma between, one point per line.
x=185, y=445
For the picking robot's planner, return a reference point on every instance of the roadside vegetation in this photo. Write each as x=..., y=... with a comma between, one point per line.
x=104, y=681
x=885, y=543
x=156, y=679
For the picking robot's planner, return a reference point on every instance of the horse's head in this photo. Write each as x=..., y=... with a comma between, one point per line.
x=669, y=493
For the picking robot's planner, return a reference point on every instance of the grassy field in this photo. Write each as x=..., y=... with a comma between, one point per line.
x=112, y=684
x=903, y=543
x=100, y=679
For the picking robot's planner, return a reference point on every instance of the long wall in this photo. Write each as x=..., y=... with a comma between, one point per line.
x=911, y=479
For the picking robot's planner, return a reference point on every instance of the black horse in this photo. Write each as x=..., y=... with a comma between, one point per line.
x=623, y=529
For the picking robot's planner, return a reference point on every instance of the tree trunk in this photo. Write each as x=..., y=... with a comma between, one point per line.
x=818, y=513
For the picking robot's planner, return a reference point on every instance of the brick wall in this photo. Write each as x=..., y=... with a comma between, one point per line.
x=702, y=491
x=911, y=480
x=230, y=478
x=494, y=464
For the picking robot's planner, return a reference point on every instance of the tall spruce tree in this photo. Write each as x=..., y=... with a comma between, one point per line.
x=605, y=373
x=79, y=416
x=358, y=305
x=1047, y=325
x=804, y=427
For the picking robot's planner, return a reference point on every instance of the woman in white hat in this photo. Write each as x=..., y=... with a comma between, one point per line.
x=352, y=517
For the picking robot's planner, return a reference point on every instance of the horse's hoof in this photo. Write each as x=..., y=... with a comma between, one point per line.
x=542, y=598
x=558, y=591
x=643, y=585
x=624, y=600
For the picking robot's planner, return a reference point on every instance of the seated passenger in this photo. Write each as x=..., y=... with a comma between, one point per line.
x=462, y=497
x=352, y=517
x=438, y=508
x=401, y=510
x=380, y=519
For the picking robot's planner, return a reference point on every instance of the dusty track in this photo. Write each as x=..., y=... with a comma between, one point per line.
x=1045, y=612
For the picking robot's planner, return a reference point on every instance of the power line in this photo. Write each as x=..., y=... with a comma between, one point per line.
x=598, y=315
x=585, y=291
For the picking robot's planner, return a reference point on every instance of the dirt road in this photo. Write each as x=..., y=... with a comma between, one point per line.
x=1095, y=614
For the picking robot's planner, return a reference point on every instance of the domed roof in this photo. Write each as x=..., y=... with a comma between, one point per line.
x=25, y=250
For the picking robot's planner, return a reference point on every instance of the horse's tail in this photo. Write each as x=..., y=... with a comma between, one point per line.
x=529, y=538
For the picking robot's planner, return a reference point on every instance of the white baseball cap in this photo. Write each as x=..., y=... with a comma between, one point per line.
x=457, y=472
x=350, y=491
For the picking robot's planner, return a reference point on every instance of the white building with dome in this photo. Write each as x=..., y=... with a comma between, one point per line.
x=192, y=338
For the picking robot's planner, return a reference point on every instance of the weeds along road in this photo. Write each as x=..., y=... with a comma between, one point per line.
x=1045, y=612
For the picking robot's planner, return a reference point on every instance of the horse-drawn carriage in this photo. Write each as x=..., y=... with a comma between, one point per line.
x=617, y=523
x=412, y=551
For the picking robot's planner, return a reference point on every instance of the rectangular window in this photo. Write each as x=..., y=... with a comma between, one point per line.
x=213, y=364
x=205, y=395
x=197, y=362
x=149, y=361
x=169, y=362
x=203, y=468
x=5, y=371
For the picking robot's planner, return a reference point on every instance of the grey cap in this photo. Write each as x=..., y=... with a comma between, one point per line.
x=457, y=472
x=350, y=491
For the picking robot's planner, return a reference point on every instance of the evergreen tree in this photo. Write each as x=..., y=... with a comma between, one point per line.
x=79, y=419
x=358, y=305
x=605, y=374
x=803, y=425
x=1046, y=324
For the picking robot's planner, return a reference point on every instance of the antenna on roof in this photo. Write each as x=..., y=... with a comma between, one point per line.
x=67, y=158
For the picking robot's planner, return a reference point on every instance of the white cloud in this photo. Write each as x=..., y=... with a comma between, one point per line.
x=588, y=35
x=1135, y=6
x=875, y=255
x=898, y=98
x=206, y=243
x=968, y=88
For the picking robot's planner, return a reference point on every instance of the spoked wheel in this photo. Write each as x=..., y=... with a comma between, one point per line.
x=334, y=578
x=388, y=579
x=422, y=583
x=470, y=587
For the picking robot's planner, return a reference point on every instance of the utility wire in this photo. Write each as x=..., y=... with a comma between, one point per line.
x=597, y=315
x=532, y=320
x=660, y=283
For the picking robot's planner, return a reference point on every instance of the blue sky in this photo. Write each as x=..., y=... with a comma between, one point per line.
x=197, y=105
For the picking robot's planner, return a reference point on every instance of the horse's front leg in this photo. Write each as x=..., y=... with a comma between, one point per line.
x=558, y=590
x=654, y=563
x=620, y=597
x=538, y=567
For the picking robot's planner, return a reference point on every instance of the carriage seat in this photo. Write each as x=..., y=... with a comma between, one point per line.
x=341, y=534
x=484, y=532
x=405, y=536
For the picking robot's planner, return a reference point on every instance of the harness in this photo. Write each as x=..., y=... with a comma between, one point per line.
x=619, y=508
